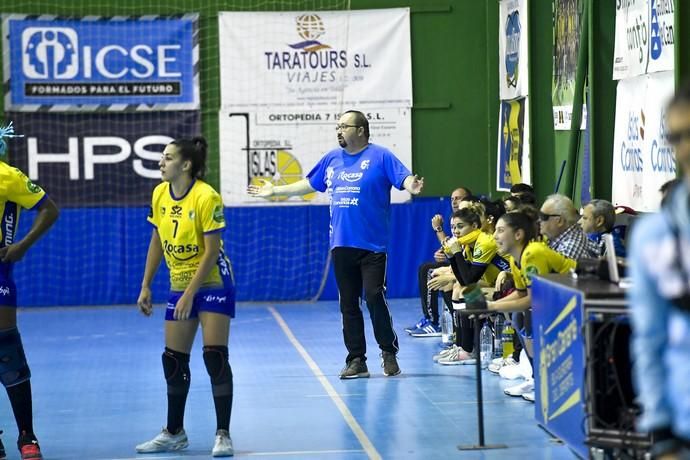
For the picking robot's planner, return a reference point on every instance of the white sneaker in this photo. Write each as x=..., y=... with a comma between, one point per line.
x=223, y=445
x=519, y=390
x=459, y=356
x=498, y=361
x=524, y=364
x=496, y=367
x=445, y=352
x=164, y=442
x=511, y=372
x=529, y=396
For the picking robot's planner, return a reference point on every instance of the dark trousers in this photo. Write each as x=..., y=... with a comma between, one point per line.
x=357, y=272
x=429, y=299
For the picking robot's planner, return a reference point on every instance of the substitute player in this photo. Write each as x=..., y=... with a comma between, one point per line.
x=16, y=192
x=187, y=215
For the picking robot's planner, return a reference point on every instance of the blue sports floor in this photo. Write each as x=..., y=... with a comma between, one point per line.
x=99, y=390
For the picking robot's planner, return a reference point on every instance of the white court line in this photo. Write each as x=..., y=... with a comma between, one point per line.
x=337, y=400
x=304, y=452
x=255, y=454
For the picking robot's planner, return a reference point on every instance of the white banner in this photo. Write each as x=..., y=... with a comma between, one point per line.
x=512, y=49
x=330, y=60
x=642, y=159
x=661, y=33
x=644, y=37
x=283, y=146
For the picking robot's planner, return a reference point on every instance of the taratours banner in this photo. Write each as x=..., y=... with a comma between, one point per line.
x=642, y=159
x=644, y=37
x=97, y=159
x=512, y=46
x=54, y=64
x=513, y=165
x=283, y=146
x=330, y=60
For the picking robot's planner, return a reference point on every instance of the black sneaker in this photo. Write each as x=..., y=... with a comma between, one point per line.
x=355, y=369
x=389, y=364
x=28, y=446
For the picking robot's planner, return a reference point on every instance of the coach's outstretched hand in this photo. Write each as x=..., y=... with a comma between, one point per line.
x=414, y=184
x=264, y=190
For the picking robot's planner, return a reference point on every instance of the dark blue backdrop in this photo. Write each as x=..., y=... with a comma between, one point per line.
x=95, y=256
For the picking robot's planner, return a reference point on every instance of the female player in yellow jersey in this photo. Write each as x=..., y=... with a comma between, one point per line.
x=16, y=192
x=187, y=215
x=473, y=256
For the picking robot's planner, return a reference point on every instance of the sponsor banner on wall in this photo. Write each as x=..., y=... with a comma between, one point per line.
x=512, y=49
x=661, y=35
x=94, y=63
x=559, y=361
x=330, y=60
x=97, y=159
x=566, y=38
x=644, y=37
x=642, y=158
x=283, y=146
x=513, y=165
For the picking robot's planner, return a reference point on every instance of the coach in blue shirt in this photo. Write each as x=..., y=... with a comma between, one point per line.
x=358, y=177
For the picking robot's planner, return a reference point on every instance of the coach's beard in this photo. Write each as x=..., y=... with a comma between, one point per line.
x=341, y=142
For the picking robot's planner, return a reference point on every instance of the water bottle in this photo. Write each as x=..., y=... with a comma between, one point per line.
x=446, y=326
x=507, y=339
x=498, y=330
x=485, y=345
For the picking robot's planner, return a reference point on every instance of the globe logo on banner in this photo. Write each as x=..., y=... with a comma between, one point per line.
x=309, y=27
x=512, y=57
x=50, y=53
x=656, y=45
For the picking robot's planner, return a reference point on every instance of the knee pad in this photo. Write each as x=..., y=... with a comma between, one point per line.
x=176, y=370
x=218, y=367
x=13, y=366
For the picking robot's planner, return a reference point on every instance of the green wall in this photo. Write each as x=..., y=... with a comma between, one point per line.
x=455, y=82
x=454, y=48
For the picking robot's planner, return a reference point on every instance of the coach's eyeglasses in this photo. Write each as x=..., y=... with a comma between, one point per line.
x=675, y=137
x=544, y=216
x=343, y=127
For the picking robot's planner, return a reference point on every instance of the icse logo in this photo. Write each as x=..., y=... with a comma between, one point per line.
x=50, y=53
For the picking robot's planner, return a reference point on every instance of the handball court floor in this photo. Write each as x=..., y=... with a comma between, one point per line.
x=99, y=390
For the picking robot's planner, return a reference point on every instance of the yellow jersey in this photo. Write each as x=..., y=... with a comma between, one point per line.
x=181, y=223
x=538, y=259
x=485, y=254
x=16, y=192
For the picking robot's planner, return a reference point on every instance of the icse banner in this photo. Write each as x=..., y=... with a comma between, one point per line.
x=644, y=37
x=97, y=159
x=642, y=158
x=118, y=64
x=512, y=54
x=283, y=147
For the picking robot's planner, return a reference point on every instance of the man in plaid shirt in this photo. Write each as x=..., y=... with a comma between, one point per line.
x=558, y=223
